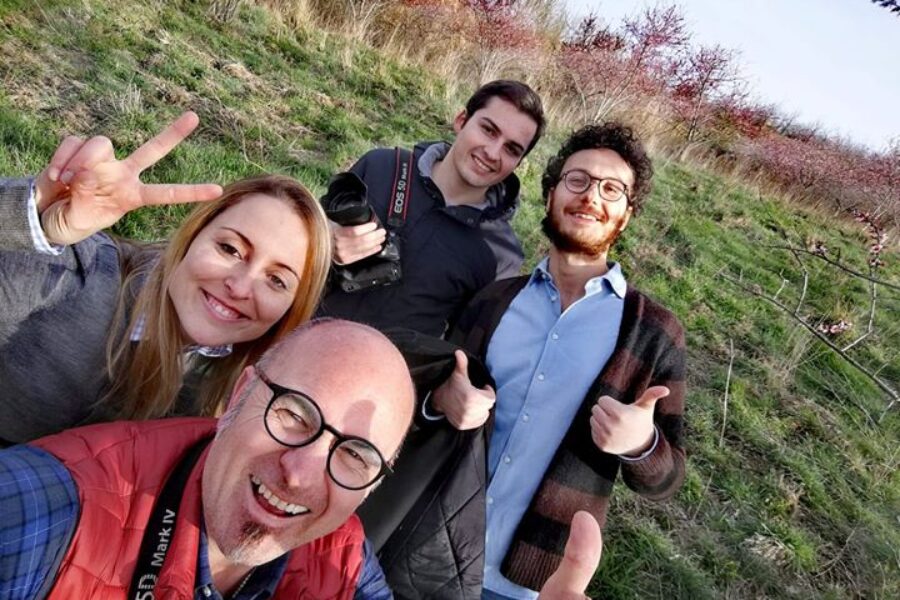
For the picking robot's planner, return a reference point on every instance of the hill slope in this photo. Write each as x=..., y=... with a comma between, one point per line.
x=797, y=496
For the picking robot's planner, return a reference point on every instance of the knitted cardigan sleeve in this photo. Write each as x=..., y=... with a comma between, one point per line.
x=660, y=475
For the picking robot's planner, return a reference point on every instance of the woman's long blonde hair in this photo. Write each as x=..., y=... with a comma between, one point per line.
x=146, y=376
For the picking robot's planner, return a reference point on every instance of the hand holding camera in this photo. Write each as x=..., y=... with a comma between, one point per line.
x=366, y=254
x=355, y=242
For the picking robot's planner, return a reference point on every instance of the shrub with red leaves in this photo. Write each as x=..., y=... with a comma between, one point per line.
x=647, y=63
x=607, y=66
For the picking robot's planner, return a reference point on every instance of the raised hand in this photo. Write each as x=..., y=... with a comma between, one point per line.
x=357, y=242
x=626, y=429
x=85, y=189
x=464, y=405
x=579, y=563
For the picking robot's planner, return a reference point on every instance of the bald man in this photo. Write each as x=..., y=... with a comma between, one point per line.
x=258, y=504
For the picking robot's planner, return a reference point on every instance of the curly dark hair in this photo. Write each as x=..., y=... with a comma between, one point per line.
x=619, y=138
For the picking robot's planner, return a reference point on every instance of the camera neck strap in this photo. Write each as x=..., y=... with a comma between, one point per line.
x=401, y=190
x=161, y=528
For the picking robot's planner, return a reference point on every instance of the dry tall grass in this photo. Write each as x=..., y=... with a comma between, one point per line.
x=465, y=43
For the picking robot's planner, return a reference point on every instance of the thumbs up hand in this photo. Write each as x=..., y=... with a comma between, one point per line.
x=626, y=429
x=464, y=405
x=579, y=563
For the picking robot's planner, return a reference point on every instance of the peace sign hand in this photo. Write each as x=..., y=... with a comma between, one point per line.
x=85, y=189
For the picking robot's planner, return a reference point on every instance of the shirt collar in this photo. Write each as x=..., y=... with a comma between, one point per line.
x=137, y=334
x=541, y=271
x=262, y=582
x=613, y=277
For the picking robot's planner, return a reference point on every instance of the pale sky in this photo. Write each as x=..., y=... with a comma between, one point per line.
x=831, y=61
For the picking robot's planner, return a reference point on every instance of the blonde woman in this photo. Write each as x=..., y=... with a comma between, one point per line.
x=94, y=328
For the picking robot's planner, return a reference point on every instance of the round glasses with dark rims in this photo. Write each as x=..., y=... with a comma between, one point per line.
x=294, y=419
x=610, y=188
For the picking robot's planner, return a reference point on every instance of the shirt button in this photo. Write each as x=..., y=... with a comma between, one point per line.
x=206, y=591
x=553, y=298
x=507, y=459
x=490, y=500
x=525, y=418
x=554, y=336
x=540, y=376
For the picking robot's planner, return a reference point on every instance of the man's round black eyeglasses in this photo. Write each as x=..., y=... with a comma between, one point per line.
x=578, y=181
x=293, y=419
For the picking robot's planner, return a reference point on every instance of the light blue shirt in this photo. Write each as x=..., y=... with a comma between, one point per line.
x=543, y=363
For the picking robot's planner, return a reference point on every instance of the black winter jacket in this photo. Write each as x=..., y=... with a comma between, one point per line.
x=448, y=253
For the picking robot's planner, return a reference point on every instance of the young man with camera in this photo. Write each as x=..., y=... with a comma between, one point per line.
x=439, y=227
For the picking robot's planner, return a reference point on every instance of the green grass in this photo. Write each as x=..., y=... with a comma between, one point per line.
x=800, y=498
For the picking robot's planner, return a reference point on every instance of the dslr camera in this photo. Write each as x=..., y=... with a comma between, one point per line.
x=346, y=203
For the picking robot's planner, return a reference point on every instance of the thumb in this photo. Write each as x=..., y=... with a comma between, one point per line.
x=53, y=223
x=580, y=560
x=650, y=396
x=462, y=363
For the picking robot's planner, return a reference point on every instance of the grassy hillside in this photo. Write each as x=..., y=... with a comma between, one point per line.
x=798, y=496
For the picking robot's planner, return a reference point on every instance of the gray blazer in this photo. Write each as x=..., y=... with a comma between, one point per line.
x=55, y=315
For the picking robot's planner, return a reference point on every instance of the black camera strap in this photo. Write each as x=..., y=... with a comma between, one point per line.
x=401, y=190
x=383, y=267
x=161, y=528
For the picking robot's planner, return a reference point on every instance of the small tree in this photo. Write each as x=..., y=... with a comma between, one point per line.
x=504, y=32
x=609, y=67
x=707, y=76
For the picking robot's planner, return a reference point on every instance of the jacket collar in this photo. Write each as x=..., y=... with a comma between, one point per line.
x=501, y=200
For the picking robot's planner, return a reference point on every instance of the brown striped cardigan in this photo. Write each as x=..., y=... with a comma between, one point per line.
x=649, y=351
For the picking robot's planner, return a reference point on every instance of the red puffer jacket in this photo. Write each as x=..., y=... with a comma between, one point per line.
x=120, y=469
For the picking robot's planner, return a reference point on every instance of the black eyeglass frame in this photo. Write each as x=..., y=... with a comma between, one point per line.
x=595, y=181
x=339, y=438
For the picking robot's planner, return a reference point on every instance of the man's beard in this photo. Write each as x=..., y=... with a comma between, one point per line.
x=247, y=548
x=574, y=244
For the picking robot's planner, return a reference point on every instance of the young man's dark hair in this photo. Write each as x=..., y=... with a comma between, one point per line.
x=619, y=138
x=516, y=93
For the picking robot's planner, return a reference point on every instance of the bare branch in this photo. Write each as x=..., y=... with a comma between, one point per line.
x=803, y=290
x=727, y=387
x=871, y=326
x=843, y=267
x=881, y=384
x=887, y=409
x=781, y=287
